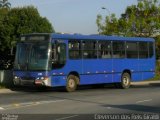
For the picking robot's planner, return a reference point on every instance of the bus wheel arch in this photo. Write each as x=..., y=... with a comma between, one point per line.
x=76, y=74
x=127, y=71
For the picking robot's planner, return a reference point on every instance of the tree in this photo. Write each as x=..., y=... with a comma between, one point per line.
x=5, y=4
x=142, y=19
x=22, y=21
x=17, y=21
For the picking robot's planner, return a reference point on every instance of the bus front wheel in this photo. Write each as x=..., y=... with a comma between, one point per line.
x=125, y=80
x=71, y=83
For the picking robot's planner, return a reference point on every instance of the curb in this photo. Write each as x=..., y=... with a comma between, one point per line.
x=145, y=82
x=5, y=90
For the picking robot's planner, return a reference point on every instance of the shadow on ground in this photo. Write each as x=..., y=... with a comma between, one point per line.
x=80, y=88
x=155, y=84
x=61, y=89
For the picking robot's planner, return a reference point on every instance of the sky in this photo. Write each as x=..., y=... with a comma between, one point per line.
x=75, y=16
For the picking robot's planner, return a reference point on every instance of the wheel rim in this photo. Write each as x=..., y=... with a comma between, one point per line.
x=125, y=80
x=71, y=83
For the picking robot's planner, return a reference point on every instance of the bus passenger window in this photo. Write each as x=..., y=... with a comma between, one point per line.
x=132, y=50
x=74, y=49
x=118, y=49
x=143, y=50
x=104, y=49
x=151, y=52
x=89, y=49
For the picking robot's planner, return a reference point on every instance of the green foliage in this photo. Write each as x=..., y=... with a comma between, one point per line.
x=157, y=75
x=5, y=4
x=2, y=86
x=142, y=19
x=3, y=33
x=157, y=46
x=17, y=21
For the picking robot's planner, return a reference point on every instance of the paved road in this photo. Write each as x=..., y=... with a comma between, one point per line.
x=86, y=100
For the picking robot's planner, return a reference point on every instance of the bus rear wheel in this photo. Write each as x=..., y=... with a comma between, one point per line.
x=125, y=80
x=71, y=83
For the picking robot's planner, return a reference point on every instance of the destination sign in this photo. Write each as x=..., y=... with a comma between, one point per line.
x=39, y=38
x=35, y=38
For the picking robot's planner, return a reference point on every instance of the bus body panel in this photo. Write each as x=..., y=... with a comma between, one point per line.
x=58, y=81
x=59, y=76
x=98, y=71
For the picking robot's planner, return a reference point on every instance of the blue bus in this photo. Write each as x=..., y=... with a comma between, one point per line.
x=69, y=60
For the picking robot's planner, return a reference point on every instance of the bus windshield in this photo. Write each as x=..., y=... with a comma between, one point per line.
x=32, y=56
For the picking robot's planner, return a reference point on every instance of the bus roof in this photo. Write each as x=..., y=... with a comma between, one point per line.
x=97, y=37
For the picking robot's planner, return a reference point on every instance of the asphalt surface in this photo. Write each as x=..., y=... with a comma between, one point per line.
x=57, y=104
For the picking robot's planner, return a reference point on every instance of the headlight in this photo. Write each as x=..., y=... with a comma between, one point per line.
x=42, y=78
x=15, y=77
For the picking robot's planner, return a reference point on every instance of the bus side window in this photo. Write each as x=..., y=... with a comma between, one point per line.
x=89, y=49
x=151, y=52
x=143, y=50
x=132, y=50
x=74, y=49
x=104, y=49
x=118, y=49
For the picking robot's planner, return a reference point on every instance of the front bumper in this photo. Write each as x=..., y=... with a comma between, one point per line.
x=18, y=81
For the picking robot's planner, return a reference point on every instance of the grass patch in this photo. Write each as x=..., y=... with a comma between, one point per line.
x=157, y=75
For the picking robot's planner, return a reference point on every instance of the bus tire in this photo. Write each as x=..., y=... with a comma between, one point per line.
x=71, y=83
x=125, y=80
